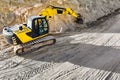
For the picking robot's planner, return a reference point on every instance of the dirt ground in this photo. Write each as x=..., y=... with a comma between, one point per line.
x=92, y=54
x=89, y=54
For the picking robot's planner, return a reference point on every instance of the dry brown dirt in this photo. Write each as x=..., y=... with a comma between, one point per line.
x=88, y=54
x=16, y=11
x=92, y=54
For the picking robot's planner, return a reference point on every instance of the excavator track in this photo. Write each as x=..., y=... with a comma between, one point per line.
x=32, y=45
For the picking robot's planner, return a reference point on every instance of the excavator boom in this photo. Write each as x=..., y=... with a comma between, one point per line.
x=50, y=11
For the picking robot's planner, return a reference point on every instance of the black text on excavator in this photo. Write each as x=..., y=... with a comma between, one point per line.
x=35, y=33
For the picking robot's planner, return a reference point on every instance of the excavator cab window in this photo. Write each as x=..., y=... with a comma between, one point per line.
x=40, y=26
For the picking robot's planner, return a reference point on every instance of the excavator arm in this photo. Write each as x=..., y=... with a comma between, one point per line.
x=50, y=11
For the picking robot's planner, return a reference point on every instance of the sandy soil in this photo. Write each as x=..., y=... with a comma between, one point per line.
x=92, y=54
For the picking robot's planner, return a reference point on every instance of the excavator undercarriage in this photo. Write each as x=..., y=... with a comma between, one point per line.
x=32, y=45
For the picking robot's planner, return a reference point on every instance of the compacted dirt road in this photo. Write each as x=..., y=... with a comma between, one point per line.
x=92, y=54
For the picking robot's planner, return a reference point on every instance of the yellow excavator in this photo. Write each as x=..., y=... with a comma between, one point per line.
x=35, y=33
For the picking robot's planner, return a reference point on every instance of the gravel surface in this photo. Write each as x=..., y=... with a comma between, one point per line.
x=92, y=54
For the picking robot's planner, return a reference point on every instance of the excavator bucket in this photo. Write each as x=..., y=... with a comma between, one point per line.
x=79, y=19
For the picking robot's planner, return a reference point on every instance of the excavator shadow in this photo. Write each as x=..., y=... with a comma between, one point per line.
x=97, y=57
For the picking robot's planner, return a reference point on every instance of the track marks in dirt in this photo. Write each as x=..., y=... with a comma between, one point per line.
x=75, y=56
x=28, y=71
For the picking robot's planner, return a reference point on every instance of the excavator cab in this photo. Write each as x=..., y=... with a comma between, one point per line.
x=38, y=25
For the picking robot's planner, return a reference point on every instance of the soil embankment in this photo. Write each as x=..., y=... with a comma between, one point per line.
x=15, y=12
